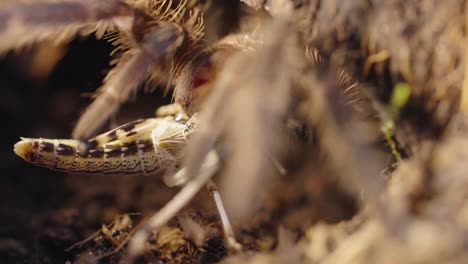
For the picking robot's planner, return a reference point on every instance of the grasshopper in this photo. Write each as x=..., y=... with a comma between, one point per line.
x=152, y=146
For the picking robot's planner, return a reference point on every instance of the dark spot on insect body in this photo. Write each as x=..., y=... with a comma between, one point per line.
x=111, y=136
x=130, y=126
x=146, y=145
x=47, y=147
x=129, y=134
x=112, y=153
x=129, y=149
x=65, y=150
x=91, y=144
x=39, y=159
x=96, y=153
x=30, y=156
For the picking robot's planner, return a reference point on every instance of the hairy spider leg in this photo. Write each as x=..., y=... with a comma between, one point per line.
x=161, y=42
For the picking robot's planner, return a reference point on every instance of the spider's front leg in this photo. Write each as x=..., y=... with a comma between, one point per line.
x=132, y=69
x=27, y=23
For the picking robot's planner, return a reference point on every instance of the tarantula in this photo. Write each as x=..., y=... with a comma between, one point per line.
x=156, y=39
x=234, y=84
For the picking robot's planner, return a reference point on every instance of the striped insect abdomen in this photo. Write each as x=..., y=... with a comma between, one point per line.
x=64, y=155
x=46, y=152
x=127, y=150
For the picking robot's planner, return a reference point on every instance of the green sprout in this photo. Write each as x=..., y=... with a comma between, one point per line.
x=400, y=96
